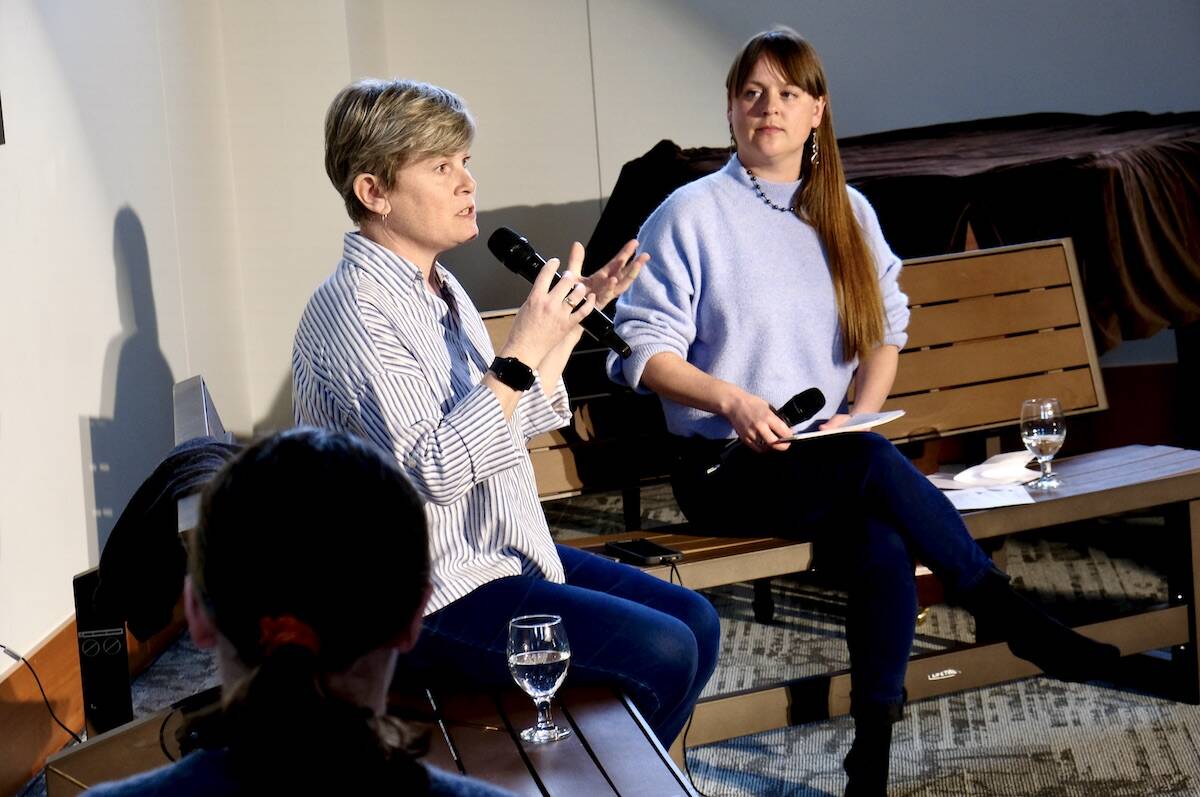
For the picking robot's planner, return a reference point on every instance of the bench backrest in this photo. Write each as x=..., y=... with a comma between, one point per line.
x=988, y=329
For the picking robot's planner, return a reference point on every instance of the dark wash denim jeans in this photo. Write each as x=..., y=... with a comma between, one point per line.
x=655, y=640
x=854, y=494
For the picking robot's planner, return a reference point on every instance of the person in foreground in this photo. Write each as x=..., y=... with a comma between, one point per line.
x=390, y=347
x=772, y=276
x=308, y=573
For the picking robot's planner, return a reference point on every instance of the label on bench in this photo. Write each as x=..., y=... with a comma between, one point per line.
x=944, y=675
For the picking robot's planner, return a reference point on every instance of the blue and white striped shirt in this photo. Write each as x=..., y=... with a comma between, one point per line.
x=379, y=355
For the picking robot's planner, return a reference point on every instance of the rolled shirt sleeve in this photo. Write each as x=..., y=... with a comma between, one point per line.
x=536, y=412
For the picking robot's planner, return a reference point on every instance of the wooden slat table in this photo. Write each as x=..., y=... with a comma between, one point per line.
x=611, y=752
x=1096, y=485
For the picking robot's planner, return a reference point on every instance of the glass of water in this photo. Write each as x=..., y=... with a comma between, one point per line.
x=538, y=655
x=1043, y=431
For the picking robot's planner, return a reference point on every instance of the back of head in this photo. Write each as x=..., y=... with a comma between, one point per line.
x=311, y=552
x=318, y=525
x=378, y=126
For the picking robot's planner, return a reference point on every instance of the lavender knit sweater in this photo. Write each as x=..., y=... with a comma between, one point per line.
x=743, y=292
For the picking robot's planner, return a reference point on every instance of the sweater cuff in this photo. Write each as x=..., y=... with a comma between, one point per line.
x=484, y=433
x=630, y=369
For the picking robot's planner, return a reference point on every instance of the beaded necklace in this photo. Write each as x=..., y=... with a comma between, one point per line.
x=758, y=191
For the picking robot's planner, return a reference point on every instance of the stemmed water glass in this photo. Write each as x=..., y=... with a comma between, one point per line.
x=1043, y=431
x=538, y=655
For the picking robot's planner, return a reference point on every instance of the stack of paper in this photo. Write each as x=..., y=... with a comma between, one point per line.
x=997, y=482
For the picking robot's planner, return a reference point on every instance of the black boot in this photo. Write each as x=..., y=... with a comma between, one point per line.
x=1035, y=636
x=866, y=764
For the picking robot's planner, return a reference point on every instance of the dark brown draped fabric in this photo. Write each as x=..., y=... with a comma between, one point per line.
x=1125, y=187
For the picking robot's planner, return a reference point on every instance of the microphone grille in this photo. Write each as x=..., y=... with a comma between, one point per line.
x=504, y=240
x=802, y=406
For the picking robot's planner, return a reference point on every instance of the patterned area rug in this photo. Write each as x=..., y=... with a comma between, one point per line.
x=1032, y=738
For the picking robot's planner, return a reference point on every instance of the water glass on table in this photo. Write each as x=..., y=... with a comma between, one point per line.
x=1043, y=431
x=538, y=656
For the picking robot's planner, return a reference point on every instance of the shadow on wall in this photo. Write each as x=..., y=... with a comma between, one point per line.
x=123, y=446
x=550, y=228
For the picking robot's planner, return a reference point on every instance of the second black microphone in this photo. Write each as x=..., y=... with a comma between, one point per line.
x=518, y=255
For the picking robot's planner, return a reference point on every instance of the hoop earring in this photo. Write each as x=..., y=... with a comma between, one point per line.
x=815, y=156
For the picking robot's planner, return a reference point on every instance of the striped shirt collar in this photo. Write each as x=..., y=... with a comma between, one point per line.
x=381, y=262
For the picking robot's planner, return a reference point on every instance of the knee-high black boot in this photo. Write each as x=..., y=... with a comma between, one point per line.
x=866, y=764
x=1035, y=636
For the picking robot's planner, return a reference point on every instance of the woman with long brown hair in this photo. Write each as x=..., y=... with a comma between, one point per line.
x=772, y=276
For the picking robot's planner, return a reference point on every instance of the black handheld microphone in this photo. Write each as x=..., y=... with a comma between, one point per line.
x=802, y=406
x=798, y=409
x=518, y=255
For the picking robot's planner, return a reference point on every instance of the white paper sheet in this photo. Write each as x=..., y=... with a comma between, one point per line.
x=857, y=423
x=988, y=497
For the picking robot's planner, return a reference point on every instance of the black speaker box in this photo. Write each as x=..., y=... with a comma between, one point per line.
x=103, y=660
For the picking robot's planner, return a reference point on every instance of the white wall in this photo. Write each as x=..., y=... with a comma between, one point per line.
x=116, y=244
x=178, y=146
x=566, y=91
x=660, y=67
x=284, y=62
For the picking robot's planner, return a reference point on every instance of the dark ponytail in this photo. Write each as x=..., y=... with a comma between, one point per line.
x=285, y=733
x=311, y=553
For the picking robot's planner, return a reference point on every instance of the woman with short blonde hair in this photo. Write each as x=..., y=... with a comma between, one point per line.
x=391, y=347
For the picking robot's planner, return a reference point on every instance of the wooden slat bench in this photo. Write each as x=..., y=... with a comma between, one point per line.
x=988, y=329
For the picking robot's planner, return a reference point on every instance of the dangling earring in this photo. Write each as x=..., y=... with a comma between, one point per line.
x=383, y=218
x=815, y=156
x=732, y=140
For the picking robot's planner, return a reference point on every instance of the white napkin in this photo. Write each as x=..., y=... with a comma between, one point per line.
x=999, y=470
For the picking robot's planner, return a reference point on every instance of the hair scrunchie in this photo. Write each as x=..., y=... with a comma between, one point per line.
x=278, y=632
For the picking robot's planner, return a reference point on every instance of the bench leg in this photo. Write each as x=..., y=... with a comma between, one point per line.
x=631, y=504
x=1184, y=588
x=764, y=601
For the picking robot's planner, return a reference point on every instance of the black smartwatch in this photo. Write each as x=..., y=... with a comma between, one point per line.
x=512, y=372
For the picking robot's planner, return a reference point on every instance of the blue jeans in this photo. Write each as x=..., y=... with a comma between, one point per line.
x=656, y=641
x=857, y=494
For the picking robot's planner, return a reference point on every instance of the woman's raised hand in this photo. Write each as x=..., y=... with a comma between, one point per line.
x=756, y=423
x=617, y=274
x=549, y=314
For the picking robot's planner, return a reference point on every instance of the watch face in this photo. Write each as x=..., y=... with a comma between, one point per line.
x=513, y=373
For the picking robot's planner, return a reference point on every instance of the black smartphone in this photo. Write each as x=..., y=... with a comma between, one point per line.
x=642, y=552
